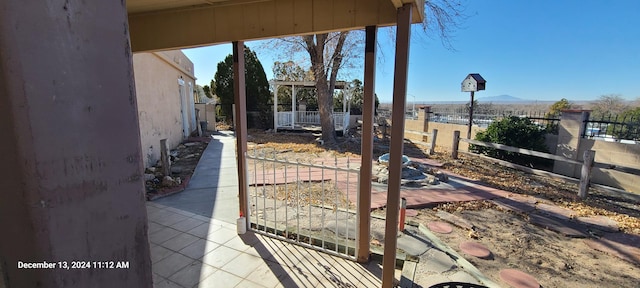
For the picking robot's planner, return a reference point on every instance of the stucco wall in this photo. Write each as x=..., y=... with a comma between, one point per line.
x=627, y=155
x=414, y=125
x=445, y=134
x=207, y=113
x=159, y=103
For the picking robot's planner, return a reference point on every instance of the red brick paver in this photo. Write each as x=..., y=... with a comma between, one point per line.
x=475, y=249
x=440, y=227
x=621, y=245
x=518, y=279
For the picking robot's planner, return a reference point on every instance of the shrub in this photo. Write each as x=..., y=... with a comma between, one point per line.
x=516, y=132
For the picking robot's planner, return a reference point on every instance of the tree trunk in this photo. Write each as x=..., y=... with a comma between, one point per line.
x=325, y=105
x=315, y=46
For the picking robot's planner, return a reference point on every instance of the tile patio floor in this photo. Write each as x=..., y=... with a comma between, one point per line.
x=194, y=242
x=189, y=250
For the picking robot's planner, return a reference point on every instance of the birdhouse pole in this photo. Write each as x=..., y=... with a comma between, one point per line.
x=470, y=116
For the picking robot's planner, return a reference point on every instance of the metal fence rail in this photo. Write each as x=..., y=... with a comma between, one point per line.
x=621, y=127
x=304, y=202
x=484, y=119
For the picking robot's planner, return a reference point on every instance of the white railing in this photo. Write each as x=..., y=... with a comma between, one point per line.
x=308, y=117
x=309, y=204
x=286, y=119
x=341, y=120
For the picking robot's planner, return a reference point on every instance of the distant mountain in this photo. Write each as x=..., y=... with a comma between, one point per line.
x=501, y=99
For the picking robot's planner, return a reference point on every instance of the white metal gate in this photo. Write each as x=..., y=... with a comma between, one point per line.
x=309, y=202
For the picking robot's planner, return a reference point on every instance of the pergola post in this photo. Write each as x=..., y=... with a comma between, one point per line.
x=397, y=143
x=240, y=99
x=368, y=106
x=293, y=106
x=275, y=107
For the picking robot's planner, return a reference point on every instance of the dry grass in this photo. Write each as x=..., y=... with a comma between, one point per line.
x=558, y=191
x=315, y=193
x=283, y=142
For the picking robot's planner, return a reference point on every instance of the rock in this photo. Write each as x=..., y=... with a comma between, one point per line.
x=149, y=177
x=169, y=182
x=442, y=177
x=176, y=169
x=410, y=173
x=432, y=180
x=190, y=144
x=189, y=156
x=151, y=169
x=181, y=146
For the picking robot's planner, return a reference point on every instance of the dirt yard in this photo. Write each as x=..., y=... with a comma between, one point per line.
x=554, y=260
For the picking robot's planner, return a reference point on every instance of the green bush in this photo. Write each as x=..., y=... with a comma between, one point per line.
x=516, y=132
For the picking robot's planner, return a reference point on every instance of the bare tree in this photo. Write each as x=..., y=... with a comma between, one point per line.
x=329, y=52
x=612, y=104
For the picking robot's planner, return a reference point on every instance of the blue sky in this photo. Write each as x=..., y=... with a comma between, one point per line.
x=538, y=50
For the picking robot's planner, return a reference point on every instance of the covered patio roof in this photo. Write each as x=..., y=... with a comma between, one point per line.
x=170, y=24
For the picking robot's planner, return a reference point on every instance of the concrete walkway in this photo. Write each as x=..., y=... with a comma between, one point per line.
x=213, y=188
x=194, y=242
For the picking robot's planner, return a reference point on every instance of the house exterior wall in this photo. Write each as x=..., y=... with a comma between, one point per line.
x=159, y=103
x=72, y=188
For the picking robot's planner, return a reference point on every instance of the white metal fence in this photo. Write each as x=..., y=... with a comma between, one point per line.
x=310, y=203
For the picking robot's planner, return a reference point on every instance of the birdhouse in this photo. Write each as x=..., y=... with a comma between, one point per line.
x=473, y=82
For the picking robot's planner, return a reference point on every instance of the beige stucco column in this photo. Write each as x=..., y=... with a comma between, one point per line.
x=240, y=99
x=397, y=143
x=571, y=128
x=368, y=107
x=71, y=185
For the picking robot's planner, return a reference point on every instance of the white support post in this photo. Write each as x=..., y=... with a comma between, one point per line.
x=275, y=108
x=293, y=106
x=344, y=101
